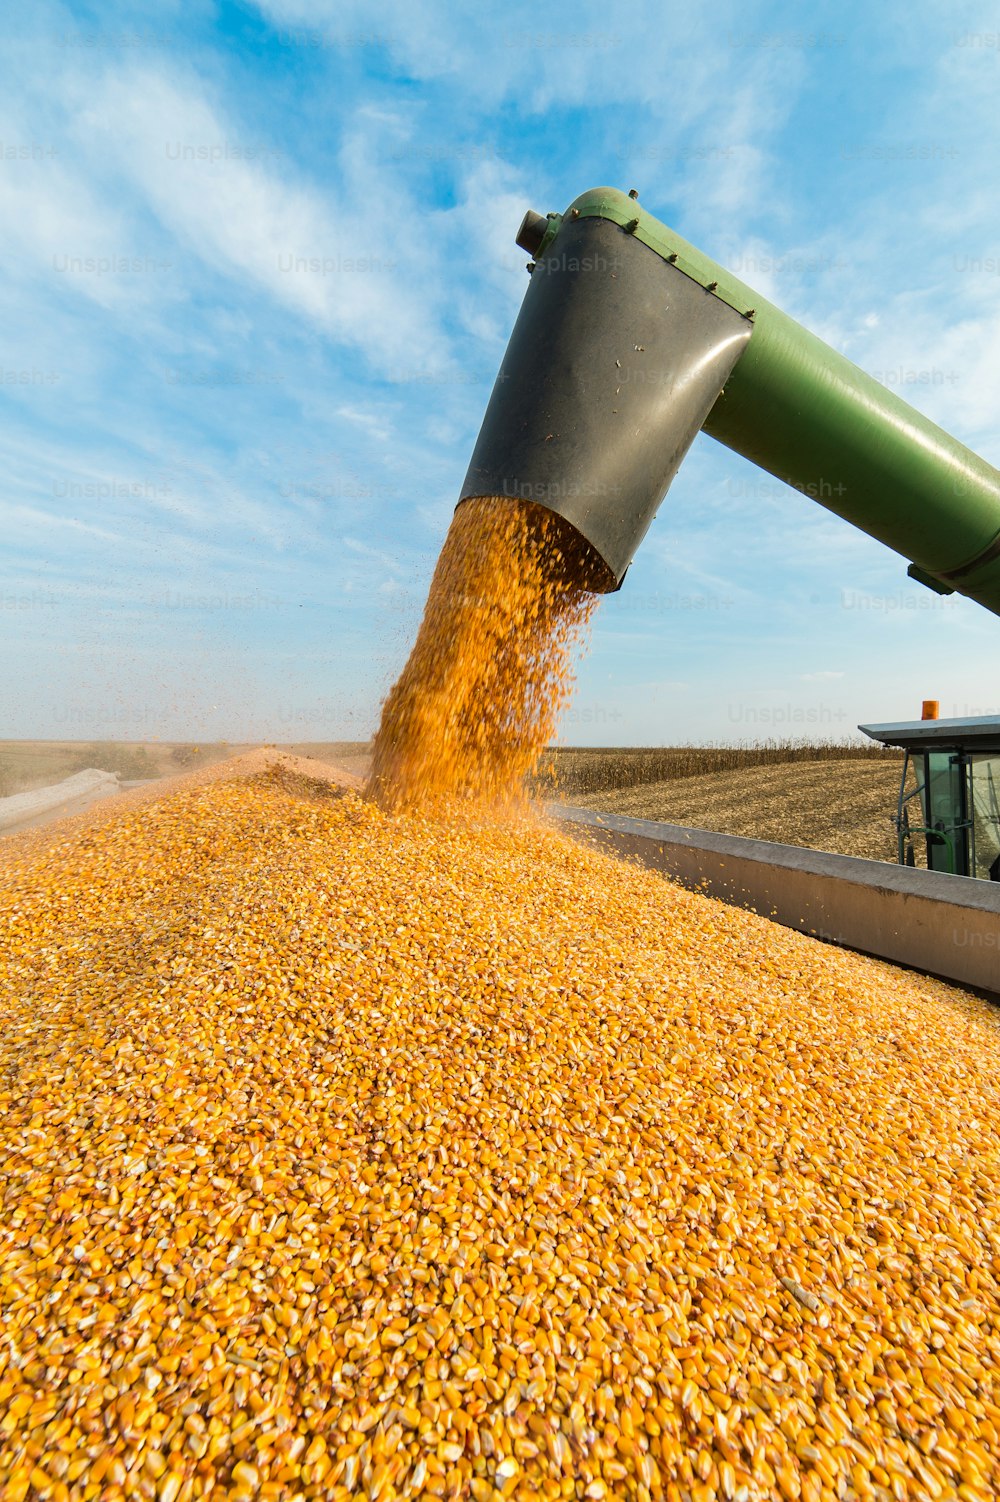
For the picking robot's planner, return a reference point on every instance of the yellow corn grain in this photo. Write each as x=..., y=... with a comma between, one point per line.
x=335, y=1154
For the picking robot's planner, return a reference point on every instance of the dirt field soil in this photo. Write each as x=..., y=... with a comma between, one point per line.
x=843, y=806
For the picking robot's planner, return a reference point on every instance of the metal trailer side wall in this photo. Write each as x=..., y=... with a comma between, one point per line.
x=945, y=925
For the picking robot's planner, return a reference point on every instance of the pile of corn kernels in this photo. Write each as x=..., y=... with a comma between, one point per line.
x=347, y=1154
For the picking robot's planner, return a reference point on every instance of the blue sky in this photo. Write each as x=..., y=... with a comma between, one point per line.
x=257, y=274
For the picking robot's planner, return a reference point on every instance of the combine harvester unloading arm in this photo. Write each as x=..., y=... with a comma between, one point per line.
x=630, y=340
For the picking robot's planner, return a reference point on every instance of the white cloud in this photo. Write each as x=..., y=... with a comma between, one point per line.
x=257, y=219
x=22, y=522
x=372, y=422
x=56, y=227
x=354, y=546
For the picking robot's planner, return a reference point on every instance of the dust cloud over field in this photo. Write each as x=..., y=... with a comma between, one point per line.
x=26, y=765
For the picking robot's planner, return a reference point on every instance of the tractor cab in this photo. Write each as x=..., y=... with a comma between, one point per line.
x=949, y=795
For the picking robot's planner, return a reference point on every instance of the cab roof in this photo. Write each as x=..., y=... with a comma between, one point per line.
x=979, y=734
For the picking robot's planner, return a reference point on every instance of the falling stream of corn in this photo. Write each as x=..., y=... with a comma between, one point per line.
x=371, y=1148
x=480, y=697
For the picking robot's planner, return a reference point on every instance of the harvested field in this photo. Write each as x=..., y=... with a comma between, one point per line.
x=353, y=1155
x=573, y=771
x=843, y=806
